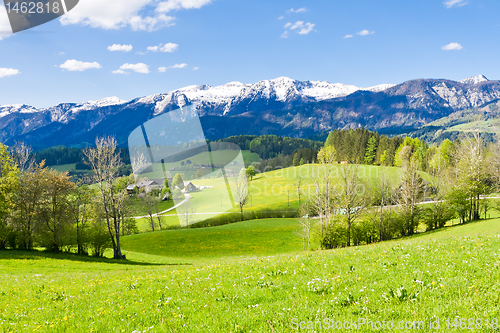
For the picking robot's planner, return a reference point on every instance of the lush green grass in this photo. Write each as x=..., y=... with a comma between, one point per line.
x=249, y=238
x=64, y=167
x=444, y=274
x=278, y=190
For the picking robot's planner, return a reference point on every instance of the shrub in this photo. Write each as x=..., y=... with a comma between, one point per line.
x=98, y=238
x=334, y=236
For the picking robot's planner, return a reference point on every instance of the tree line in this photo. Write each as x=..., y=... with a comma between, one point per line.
x=41, y=207
x=432, y=186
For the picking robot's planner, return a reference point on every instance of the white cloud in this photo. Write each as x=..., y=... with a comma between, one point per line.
x=169, y=47
x=453, y=3
x=365, y=32
x=348, y=36
x=169, y=5
x=139, y=68
x=300, y=10
x=281, y=17
x=118, y=47
x=116, y=14
x=120, y=71
x=149, y=23
x=302, y=29
x=5, y=72
x=5, y=28
x=79, y=66
x=164, y=69
x=451, y=47
x=299, y=27
x=196, y=68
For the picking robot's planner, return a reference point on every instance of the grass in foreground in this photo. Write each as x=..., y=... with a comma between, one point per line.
x=445, y=274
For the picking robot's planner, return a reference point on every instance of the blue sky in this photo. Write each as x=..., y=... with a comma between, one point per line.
x=219, y=41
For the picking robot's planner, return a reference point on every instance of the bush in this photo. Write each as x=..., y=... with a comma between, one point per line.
x=437, y=215
x=99, y=238
x=334, y=236
x=129, y=227
x=5, y=231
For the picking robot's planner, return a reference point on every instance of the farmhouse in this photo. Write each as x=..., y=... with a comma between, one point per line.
x=149, y=184
x=190, y=187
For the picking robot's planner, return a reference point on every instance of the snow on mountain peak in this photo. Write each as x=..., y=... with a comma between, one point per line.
x=13, y=108
x=474, y=79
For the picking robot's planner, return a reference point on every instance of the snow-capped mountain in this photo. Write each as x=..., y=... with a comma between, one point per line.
x=280, y=106
x=474, y=79
x=236, y=97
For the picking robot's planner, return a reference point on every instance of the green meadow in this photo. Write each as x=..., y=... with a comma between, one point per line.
x=248, y=287
x=278, y=189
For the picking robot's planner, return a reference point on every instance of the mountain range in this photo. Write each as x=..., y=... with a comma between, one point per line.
x=280, y=106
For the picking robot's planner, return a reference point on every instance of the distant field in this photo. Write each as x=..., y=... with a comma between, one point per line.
x=223, y=155
x=486, y=126
x=64, y=167
x=278, y=189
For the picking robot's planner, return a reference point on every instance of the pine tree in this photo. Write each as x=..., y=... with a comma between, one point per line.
x=371, y=150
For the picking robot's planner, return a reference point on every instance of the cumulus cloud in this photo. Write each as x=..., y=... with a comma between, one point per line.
x=79, y=66
x=5, y=72
x=348, y=36
x=118, y=47
x=302, y=29
x=455, y=3
x=299, y=27
x=168, y=48
x=365, y=32
x=167, y=6
x=196, y=68
x=300, y=10
x=5, y=28
x=281, y=17
x=120, y=71
x=138, y=68
x=451, y=47
x=117, y=14
x=164, y=69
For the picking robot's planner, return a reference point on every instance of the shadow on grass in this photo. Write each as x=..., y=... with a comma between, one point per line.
x=36, y=255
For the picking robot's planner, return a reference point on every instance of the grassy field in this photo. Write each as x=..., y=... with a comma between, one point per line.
x=278, y=190
x=250, y=238
x=64, y=167
x=274, y=190
x=447, y=274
